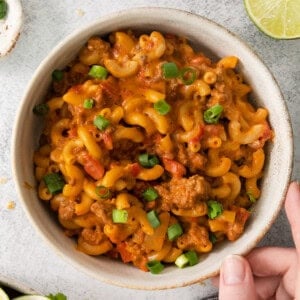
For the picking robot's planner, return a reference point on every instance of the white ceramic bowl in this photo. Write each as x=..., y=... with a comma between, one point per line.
x=214, y=41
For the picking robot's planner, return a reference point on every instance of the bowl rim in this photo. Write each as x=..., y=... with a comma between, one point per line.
x=18, y=125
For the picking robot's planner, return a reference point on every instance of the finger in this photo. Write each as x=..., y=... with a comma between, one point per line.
x=292, y=208
x=282, y=293
x=266, y=286
x=236, y=280
x=271, y=261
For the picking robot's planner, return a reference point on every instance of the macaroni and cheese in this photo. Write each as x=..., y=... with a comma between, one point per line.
x=151, y=152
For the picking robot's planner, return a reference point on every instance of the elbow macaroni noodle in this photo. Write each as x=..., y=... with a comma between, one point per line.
x=226, y=155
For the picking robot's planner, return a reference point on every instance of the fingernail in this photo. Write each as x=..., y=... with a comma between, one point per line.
x=233, y=270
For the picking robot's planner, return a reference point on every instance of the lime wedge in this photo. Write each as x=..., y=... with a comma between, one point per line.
x=3, y=295
x=279, y=19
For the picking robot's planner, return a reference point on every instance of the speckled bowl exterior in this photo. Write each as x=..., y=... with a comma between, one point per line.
x=214, y=41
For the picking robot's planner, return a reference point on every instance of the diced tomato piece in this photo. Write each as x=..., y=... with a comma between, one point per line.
x=125, y=254
x=242, y=215
x=267, y=133
x=174, y=167
x=93, y=167
x=105, y=136
x=235, y=229
x=108, y=141
x=135, y=169
x=198, y=136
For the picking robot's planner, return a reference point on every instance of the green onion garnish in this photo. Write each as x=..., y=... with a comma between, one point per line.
x=88, y=103
x=3, y=9
x=188, y=75
x=214, y=209
x=188, y=258
x=57, y=75
x=153, y=218
x=213, y=114
x=251, y=197
x=154, y=266
x=150, y=194
x=103, y=192
x=174, y=231
x=54, y=182
x=41, y=109
x=181, y=261
x=192, y=257
x=170, y=70
x=98, y=72
x=212, y=237
x=148, y=160
x=119, y=215
x=101, y=123
x=162, y=107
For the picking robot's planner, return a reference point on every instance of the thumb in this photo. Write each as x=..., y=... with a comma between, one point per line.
x=236, y=280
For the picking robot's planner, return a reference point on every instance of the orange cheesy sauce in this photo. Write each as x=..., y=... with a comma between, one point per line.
x=150, y=150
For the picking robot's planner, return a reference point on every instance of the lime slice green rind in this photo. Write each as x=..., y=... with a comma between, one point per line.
x=279, y=19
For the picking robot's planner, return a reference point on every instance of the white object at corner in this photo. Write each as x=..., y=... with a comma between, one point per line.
x=10, y=26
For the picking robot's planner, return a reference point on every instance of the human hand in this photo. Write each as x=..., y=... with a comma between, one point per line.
x=269, y=272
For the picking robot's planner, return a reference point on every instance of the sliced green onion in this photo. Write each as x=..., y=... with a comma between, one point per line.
x=119, y=215
x=54, y=182
x=215, y=208
x=181, y=261
x=162, y=107
x=150, y=194
x=170, y=70
x=174, y=231
x=251, y=197
x=101, y=122
x=148, y=160
x=88, y=103
x=153, y=218
x=103, y=192
x=213, y=114
x=212, y=237
x=41, y=109
x=57, y=75
x=154, y=266
x=98, y=72
x=3, y=9
x=192, y=257
x=188, y=75
x=188, y=258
